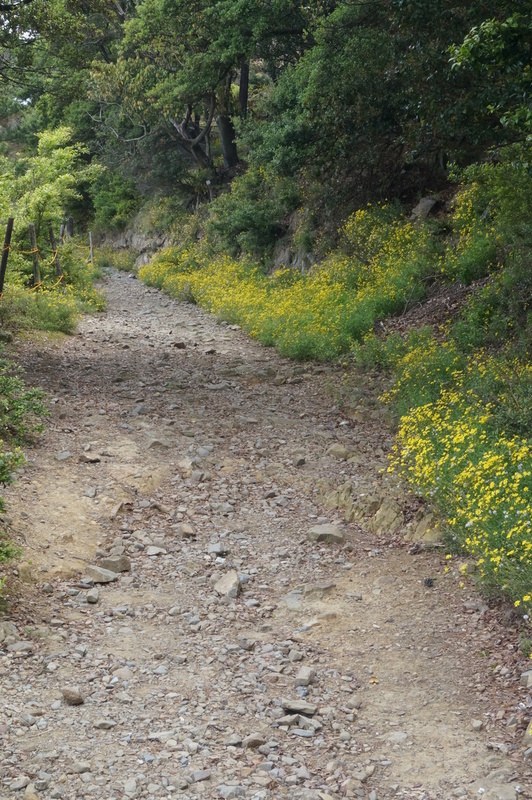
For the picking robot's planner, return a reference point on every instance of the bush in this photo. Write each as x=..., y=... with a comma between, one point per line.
x=251, y=217
x=115, y=200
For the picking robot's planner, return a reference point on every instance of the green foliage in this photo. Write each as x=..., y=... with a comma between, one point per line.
x=252, y=216
x=21, y=409
x=110, y=258
x=21, y=412
x=39, y=188
x=8, y=552
x=115, y=200
x=499, y=50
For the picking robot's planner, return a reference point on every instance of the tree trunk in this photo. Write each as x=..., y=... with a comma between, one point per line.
x=227, y=140
x=243, y=91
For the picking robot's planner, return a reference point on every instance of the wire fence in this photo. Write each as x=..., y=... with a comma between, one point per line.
x=42, y=262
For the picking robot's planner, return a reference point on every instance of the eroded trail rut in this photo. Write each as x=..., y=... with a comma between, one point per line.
x=180, y=444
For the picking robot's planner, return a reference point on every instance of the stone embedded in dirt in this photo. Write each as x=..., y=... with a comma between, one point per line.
x=21, y=647
x=388, y=519
x=299, y=707
x=72, y=696
x=80, y=767
x=318, y=591
x=130, y=787
x=152, y=550
x=19, y=783
x=396, y=737
x=253, y=740
x=229, y=585
x=305, y=676
x=24, y=572
x=100, y=575
x=427, y=531
x=8, y=629
x=157, y=443
x=230, y=792
x=104, y=724
x=63, y=455
x=85, y=458
x=233, y=741
x=116, y=563
x=93, y=595
x=526, y=679
x=185, y=530
x=245, y=643
x=201, y=775
x=477, y=724
x=339, y=451
x=295, y=655
x=218, y=549
x=329, y=534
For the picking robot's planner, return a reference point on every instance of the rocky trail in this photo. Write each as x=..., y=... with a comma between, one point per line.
x=194, y=617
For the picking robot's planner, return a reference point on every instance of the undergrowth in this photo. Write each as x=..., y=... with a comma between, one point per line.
x=21, y=412
x=463, y=394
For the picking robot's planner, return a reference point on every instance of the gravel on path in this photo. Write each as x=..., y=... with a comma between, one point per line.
x=186, y=626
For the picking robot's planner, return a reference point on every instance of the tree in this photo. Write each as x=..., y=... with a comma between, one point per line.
x=497, y=52
x=39, y=188
x=178, y=63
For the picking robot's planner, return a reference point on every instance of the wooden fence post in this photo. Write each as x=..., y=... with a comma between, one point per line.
x=58, y=270
x=5, y=252
x=34, y=255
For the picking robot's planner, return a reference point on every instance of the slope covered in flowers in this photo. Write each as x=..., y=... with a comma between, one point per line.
x=463, y=393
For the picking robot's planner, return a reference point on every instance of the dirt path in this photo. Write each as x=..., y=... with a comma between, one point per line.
x=179, y=446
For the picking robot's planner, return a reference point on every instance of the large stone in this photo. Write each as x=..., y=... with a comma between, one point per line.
x=339, y=451
x=19, y=783
x=329, y=534
x=388, y=519
x=93, y=595
x=427, y=531
x=253, y=740
x=526, y=679
x=100, y=575
x=228, y=585
x=119, y=563
x=24, y=572
x=299, y=707
x=72, y=696
x=21, y=647
x=423, y=208
x=305, y=676
x=8, y=629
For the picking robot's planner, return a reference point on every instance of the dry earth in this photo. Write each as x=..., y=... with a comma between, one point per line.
x=178, y=445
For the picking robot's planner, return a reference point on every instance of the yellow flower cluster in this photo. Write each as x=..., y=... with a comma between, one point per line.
x=483, y=481
x=315, y=315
